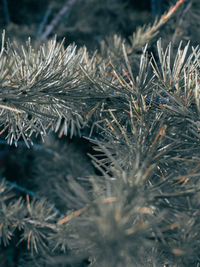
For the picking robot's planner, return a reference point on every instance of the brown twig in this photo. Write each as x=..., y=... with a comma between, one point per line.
x=80, y=211
x=160, y=133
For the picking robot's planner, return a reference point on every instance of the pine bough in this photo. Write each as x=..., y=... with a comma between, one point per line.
x=143, y=120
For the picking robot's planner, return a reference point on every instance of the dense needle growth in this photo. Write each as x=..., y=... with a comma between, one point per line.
x=133, y=198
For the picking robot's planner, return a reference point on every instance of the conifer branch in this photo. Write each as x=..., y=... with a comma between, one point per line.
x=145, y=34
x=141, y=206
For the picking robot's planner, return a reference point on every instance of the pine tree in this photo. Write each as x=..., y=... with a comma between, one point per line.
x=132, y=199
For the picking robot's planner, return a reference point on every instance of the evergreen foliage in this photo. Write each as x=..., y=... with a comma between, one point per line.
x=136, y=201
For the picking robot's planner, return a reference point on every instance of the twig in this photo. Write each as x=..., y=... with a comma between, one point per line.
x=42, y=224
x=12, y=109
x=160, y=133
x=80, y=211
x=172, y=10
x=57, y=18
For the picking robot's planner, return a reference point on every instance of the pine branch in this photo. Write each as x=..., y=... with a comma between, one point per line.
x=27, y=192
x=143, y=207
x=145, y=34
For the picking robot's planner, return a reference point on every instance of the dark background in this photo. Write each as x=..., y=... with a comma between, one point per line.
x=86, y=22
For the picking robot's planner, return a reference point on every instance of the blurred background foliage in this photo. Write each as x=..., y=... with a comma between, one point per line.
x=85, y=22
